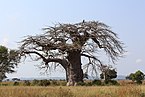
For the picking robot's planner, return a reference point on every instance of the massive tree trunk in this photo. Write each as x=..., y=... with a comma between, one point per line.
x=75, y=72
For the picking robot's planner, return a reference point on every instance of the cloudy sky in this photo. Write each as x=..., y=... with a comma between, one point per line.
x=19, y=18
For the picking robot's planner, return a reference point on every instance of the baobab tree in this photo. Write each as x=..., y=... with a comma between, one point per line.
x=66, y=44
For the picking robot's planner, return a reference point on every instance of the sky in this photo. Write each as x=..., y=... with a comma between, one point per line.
x=19, y=18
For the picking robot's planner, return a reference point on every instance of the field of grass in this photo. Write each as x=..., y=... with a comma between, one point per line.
x=78, y=91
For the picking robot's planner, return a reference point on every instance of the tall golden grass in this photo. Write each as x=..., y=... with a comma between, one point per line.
x=79, y=91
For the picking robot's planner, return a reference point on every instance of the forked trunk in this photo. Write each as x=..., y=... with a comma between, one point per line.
x=75, y=71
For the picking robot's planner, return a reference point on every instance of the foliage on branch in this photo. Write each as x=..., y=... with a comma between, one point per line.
x=137, y=77
x=108, y=73
x=8, y=60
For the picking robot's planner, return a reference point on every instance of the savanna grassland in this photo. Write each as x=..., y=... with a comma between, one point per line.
x=78, y=91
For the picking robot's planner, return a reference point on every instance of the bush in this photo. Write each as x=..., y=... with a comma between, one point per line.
x=88, y=84
x=3, y=84
x=80, y=83
x=139, y=82
x=26, y=83
x=44, y=83
x=97, y=82
x=35, y=82
x=111, y=82
x=16, y=83
x=63, y=83
x=54, y=83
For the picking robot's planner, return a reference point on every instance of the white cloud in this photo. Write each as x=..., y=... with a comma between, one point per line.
x=138, y=61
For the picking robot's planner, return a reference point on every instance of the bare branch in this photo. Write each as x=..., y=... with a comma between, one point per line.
x=86, y=38
x=93, y=57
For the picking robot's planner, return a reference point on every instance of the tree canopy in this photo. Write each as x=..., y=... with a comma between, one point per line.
x=108, y=73
x=8, y=60
x=138, y=76
x=66, y=44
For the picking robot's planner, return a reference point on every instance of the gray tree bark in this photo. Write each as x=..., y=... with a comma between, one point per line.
x=75, y=71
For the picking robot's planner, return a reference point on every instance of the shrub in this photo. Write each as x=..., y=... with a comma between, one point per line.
x=16, y=83
x=35, y=82
x=26, y=83
x=63, y=83
x=96, y=82
x=139, y=82
x=80, y=83
x=88, y=84
x=44, y=82
x=54, y=83
x=113, y=82
x=3, y=84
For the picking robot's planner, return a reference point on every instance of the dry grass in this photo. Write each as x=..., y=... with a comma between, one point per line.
x=80, y=91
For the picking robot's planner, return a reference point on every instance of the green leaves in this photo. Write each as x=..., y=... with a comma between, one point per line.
x=8, y=60
x=138, y=76
x=109, y=74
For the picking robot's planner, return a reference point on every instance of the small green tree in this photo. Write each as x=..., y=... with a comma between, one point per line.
x=131, y=77
x=137, y=77
x=108, y=73
x=8, y=60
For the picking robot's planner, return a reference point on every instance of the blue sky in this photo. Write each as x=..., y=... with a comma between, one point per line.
x=19, y=18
